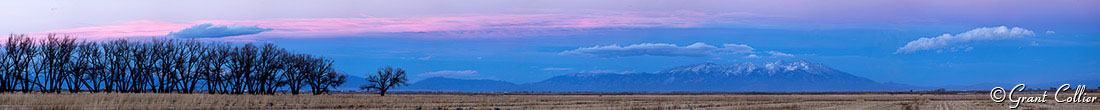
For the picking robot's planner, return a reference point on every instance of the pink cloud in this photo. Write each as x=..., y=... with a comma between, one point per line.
x=460, y=25
x=140, y=28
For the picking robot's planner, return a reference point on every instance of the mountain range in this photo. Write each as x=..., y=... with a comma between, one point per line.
x=778, y=76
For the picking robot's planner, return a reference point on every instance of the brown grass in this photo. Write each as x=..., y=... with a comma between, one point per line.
x=510, y=101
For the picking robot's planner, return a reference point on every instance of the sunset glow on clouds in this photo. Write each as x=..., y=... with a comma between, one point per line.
x=462, y=25
x=143, y=28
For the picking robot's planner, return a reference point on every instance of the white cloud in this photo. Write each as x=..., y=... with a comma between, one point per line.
x=975, y=35
x=556, y=69
x=1033, y=43
x=450, y=73
x=657, y=49
x=964, y=48
x=1050, y=32
x=779, y=54
x=208, y=30
x=737, y=48
x=751, y=56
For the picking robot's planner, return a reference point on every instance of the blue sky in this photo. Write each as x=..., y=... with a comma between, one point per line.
x=528, y=41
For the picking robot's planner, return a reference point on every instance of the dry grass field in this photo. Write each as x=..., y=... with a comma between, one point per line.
x=513, y=101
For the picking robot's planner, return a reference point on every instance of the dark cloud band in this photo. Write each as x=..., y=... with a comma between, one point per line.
x=208, y=30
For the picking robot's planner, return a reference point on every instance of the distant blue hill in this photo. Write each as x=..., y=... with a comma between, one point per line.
x=779, y=76
x=460, y=85
x=439, y=84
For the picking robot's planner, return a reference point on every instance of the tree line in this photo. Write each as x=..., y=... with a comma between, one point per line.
x=55, y=64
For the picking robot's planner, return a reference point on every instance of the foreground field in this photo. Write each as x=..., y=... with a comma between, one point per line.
x=512, y=101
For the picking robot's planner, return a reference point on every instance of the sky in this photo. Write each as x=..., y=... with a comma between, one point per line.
x=918, y=42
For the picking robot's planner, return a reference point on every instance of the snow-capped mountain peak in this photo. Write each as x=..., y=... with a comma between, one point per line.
x=779, y=66
x=788, y=66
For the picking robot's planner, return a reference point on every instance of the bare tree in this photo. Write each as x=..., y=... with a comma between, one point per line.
x=242, y=64
x=213, y=66
x=386, y=79
x=54, y=64
x=321, y=76
x=268, y=66
x=188, y=64
x=20, y=53
x=296, y=71
x=333, y=79
x=5, y=78
x=117, y=69
x=163, y=62
x=87, y=66
x=144, y=64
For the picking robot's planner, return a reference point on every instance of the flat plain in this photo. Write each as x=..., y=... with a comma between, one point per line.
x=492, y=101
